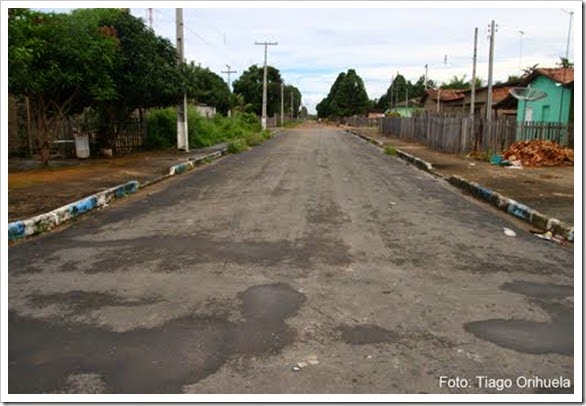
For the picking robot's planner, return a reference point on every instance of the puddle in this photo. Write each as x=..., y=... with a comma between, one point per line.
x=44, y=355
x=366, y=334
x=529, y=336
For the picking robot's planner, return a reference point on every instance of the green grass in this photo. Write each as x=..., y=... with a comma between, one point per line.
x=391, y=151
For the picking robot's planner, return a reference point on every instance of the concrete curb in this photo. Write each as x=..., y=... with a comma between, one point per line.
x=420, y=163
x=499, y=201
x=514, y=208
x=44, y=222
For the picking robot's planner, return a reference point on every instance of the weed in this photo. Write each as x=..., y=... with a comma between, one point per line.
x=391, y=151
x=236, y=146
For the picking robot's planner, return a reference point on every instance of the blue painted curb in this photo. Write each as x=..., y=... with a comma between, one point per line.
x=45, y=222
x=514, y=208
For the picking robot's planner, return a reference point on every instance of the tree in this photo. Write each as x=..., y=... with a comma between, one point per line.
x=205, y=86
x=565, y=63
x=457, y=83
x=59, y=63
x=105, y=59
x=347, y=97
x=145, y=71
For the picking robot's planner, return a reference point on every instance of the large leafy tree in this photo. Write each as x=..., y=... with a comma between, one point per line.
x=205, y=86
x=59, y=63
x=105, y=59
x=249, y=87
x=145, y=70
x=347, y=97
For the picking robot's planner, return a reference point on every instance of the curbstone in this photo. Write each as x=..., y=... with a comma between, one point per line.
x=514, y=208
x=420, y=163
x=46, y=221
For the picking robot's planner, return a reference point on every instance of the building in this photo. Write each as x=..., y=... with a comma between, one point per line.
x=205, y=110
x=447, y=101
x=558, y=104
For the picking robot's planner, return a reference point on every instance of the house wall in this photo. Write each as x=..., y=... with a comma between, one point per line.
x=548, y=108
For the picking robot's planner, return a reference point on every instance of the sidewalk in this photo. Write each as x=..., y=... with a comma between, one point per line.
x=549, y=190
x=34, y=190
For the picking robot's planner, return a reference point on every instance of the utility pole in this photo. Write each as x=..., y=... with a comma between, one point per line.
x=182, y=138
x=490, y=68
x=425, y=76
x=264, y=85
x=229, y=72
x=474, y=57
x=150, y=15
x=521, y=49
x=229, y=84
x=282, y=103
x=292, y=104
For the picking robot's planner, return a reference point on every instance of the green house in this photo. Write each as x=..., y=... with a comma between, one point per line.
x=558, y=105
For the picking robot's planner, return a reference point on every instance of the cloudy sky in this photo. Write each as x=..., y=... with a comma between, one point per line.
x=318, y=40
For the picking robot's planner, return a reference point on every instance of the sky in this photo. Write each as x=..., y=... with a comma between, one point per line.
x=318, y=40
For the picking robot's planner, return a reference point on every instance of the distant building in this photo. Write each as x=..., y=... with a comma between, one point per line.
x=442, y=100
x=205, y=110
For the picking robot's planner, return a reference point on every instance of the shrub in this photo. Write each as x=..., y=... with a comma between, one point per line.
x=236, y=146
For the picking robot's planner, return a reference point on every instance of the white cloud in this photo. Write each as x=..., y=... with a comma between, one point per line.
x=377, y=39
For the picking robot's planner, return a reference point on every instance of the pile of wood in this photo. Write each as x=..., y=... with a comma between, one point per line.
x=536, y=153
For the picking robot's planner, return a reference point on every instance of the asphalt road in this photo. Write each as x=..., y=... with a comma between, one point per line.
x=313, y=263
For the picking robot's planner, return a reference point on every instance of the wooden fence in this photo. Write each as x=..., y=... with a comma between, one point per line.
x=459, y=135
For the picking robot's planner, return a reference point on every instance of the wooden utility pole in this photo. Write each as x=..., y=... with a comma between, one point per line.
x=264, y=85
x=182, y=137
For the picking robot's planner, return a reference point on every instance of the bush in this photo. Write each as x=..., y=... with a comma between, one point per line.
x=254, y=139
x=236, y=146
x=161, y=129
x=242, y=128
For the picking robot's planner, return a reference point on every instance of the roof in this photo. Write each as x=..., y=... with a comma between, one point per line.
x=564, y=76
x=445, y=95
x=558, y=75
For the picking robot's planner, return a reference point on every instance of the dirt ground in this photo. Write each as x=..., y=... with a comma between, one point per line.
x=33, y=189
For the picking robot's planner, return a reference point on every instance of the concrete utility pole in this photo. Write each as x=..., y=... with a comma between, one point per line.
x=282, y=103
x=474, y=57
x=264, y=85
x=425, y=76
x=490, y=68
x=229, y=84
x=521, y=49
x=182, y=138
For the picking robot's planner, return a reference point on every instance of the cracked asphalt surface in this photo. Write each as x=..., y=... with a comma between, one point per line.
x=313, y=263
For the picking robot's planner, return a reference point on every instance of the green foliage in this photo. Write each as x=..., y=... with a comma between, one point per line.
x=161, y=129
x=391, y=151
x=457, y=83
x=237, y=145
x=205, y=86
x=202, y=132
x=347, y=97
x=249, y=88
